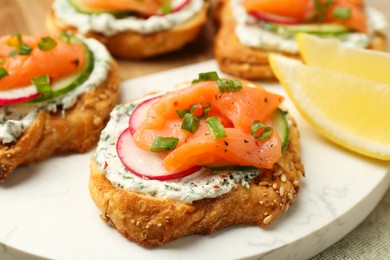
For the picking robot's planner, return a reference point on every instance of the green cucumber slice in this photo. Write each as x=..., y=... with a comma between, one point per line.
x=320, y=29
x=68, y=83
x=279, y=119
x=82, y=9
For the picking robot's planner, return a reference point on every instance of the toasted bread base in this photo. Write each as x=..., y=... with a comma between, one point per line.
x=135, y=45
x=245, y=62
x=77, y=130
x=151, y=221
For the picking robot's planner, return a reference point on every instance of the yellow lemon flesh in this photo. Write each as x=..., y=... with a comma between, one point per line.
x=332, y=54
x=350, y=111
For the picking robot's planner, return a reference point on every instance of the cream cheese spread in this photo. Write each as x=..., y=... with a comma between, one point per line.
x=108, y=25
x=250, y=33
x=197, y=186
x=15, y=119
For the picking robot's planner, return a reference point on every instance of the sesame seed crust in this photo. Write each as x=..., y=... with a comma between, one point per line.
x=151, y=221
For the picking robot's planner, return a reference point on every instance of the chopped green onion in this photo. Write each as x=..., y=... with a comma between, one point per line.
x=206, y=76
x=15, y=41
x=206, y=109
x=190, y=123
x=216, y=128
x=256, y=126
x=166, y=8
x=342, y=13
x=181, y=112
x=163, y=144
x=42, y=84
x=228, y=85
x=65, y=36
x=2, y=61
x=47, y=43
x=12, y=54
x=3, y=72
x=25, y=49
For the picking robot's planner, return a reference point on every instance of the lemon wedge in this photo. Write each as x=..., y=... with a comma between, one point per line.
x=350, y=111
x=331, y=54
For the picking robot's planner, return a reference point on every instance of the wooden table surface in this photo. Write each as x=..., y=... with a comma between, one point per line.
x=28, y=17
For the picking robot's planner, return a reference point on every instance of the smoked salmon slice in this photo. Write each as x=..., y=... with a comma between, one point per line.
x=312, y=11
x=236, y=111
x=63, y=59
x=145, y=7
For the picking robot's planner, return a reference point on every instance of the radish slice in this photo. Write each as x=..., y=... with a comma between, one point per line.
x=273, y=18
x=177, y=5
x=144, y=163
x=13, y=96
x=139, y=114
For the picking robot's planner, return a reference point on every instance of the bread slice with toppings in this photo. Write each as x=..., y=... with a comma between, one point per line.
x=73, y=129
x=133, y=44
x=239, y=60
x=147, y=217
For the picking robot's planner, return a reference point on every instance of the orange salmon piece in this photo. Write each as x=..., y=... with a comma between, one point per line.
x=236, y=111
x=238, y=148
x=288, y=8
x=64, y=59
x=146, y=7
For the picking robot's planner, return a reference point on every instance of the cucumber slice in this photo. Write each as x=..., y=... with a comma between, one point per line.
x=279, y=118
x=319, y=29
x=66, y=84
x=82, y=9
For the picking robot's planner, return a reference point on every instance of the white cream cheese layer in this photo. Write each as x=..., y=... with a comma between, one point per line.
x=109, y=25
x=15, y=119
x=197, y=186
x=251, y=34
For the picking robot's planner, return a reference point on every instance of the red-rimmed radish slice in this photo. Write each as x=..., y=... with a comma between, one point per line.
x=273, y=18
x=139, y=113
x=18, y=95
x=144, y=163
x=177, y=5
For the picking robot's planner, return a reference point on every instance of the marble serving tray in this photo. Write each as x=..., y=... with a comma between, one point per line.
x=46, y=210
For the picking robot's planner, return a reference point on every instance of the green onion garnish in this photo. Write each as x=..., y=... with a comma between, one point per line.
x=42, y=84
x=181, y=112
x=2, y=61
x=163, y=144
x=190, y=123
x=342, y=13
x=206, y=76
x=216, y=128
x=256, y=126
x=47, y=43
x=228, y=85
x=3, y=72
x=25, y=49
x=166, y=8
x=65, y=36
x=15, y=41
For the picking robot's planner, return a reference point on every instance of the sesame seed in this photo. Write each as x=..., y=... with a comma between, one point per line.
x=266, y=213
x=296, y=183
x=290, y=196
x=278, y=173
x=159, y=225
x=261, y=202
x=137, y=223
x=283, y=178
x=287, y=206
x=267, y=219
x=147, y=227
x=281, y=191
x=275, y=185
